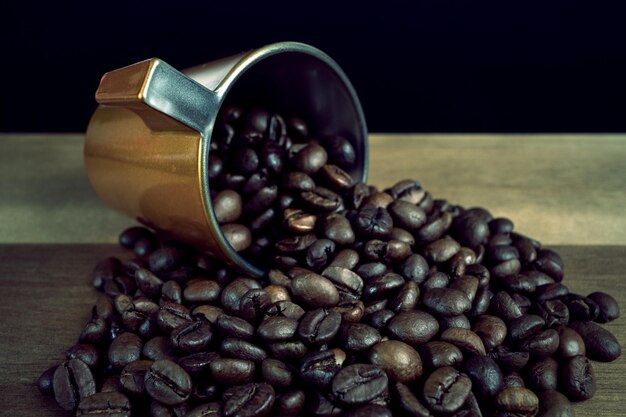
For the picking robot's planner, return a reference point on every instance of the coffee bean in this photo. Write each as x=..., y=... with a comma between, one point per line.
x=133, y=375
x=464, y=339
x=105, y=404
x=105, y=270
x=407, y=298
x=88, y=354
x=542, y=344
x=369, y=410
x=161, y=410
x=299, y=221
x=227, y=206
x=373, y=222
x=582, y=308
x=232, y=371
x=319, y=368
x=446, y=389
x=399, y=361
x=413, y=327
x=450, y=322
x=554, y=312
x=359, y=384
x=570, y=343
x=319, y=326
x=249, y=400
x=167, y=382
x=297, y=181
x=609, y=309
x=446, y=301
x=554, y=404
x=159, y=347
x=503, y=306
x=192, y=337
x=525, y=326
x=277, y=328
x=290, y=350
x=229, y=326
x=285, y=309
x=550, y=263
x=197, y=364
x=126, y=348
x=543, y=375
x=485, y=375
x=337, y=228
x=340, y=151
x=470, y=230
x=72, y=382
x=45, y=381
x=516, y=401
x=382, y=286
x=491, y=330
x=336, y=178
x=172, y=315
x=578, y=379
x=253, y=304
x=277, y=373
x=348, y=283
x=357, y=337
x=290, y=403
x=237, y=236
x=508, y=359
x=201, y=291
x=436, y=354
x=314, y=290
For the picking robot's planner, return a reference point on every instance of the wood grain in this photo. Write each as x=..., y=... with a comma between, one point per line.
x=564, y=190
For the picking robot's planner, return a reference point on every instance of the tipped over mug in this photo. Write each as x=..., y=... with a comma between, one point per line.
x=147, y=143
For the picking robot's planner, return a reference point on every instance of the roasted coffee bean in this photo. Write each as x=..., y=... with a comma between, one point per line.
x=299, y=221
x=348, y=283
x=126, y=348
x=485, y=374
x=171, y=292
x=231, y=295
x=345, y=258
x=446, y=302
x=382, y=286
x=241, y=349
x=72, y=382
x=434, y=228
x=199, y=291
x=554, y=404
x=543, y=375
x=407, y=298
x=371, y=270
x=570, y=343
x=229, y=326
x=340, y=151
x=350, y=311
x=373, y=222
x=310, y=159
x=289, y=350
x=513, y=380
x=436, y=279
x=197, y=364
x=130, y=236
x=95, y=331
x=104, y=271
x=414, y=268
x=295, y=245
x=550, y=263
x=550, y=291
x=451, y=322
x=578, y=378
x=88, y=354
x=148, y=283
x=542, y=344
x=277, y=293
x=359, y=384
x=232, y=371
x=285, y=309
x=167, y=382
x=470, y=230
x=133, y=375
x=446, y=389
x=413, y=327
x=464, y=339
x=290, y=403
x=237, y=235
x=321, y=200
x=482, y=301
x=509, y=360
x=227, y=206
x=503, y=306
x=600, y=344
x=319, y=326
x=525, y=326
x=297, y=181
x=165, y=259
x=192, y=337
x=277, y=328
x=45, y=381
x=105, y=404
x=436, y=354
x=468, y=285
x=319, y=254
x=249, y=400
x=336, y=178
x=277, y=373
x=516, y=402
x=314, y=290
x=441, y=250
x=554, y=312
x=319, y=368
x=406, y=215
x=409, y=403
x=399, y=361
x=253, y=304
x=357, y=337
x=172, y=315
x=582, y=308
x=491, y=330
x=609, y=309
x=159, y=347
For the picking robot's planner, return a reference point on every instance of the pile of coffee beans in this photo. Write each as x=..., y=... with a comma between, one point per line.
x=377, y=302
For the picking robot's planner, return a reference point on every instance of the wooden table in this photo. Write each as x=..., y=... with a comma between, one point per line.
x=566, y=191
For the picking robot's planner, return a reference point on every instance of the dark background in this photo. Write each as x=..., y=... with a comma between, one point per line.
x=423, y=66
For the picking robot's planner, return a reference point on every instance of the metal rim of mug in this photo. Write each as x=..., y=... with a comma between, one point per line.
x=222, y=90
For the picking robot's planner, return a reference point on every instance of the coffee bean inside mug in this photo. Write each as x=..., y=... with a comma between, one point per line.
x=378, y=301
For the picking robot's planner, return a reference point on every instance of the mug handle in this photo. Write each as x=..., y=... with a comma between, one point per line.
x=157, y=85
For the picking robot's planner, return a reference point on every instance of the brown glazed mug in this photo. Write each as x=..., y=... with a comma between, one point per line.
x=147, y=144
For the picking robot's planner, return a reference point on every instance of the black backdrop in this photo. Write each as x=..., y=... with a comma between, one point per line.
x=424, y=66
